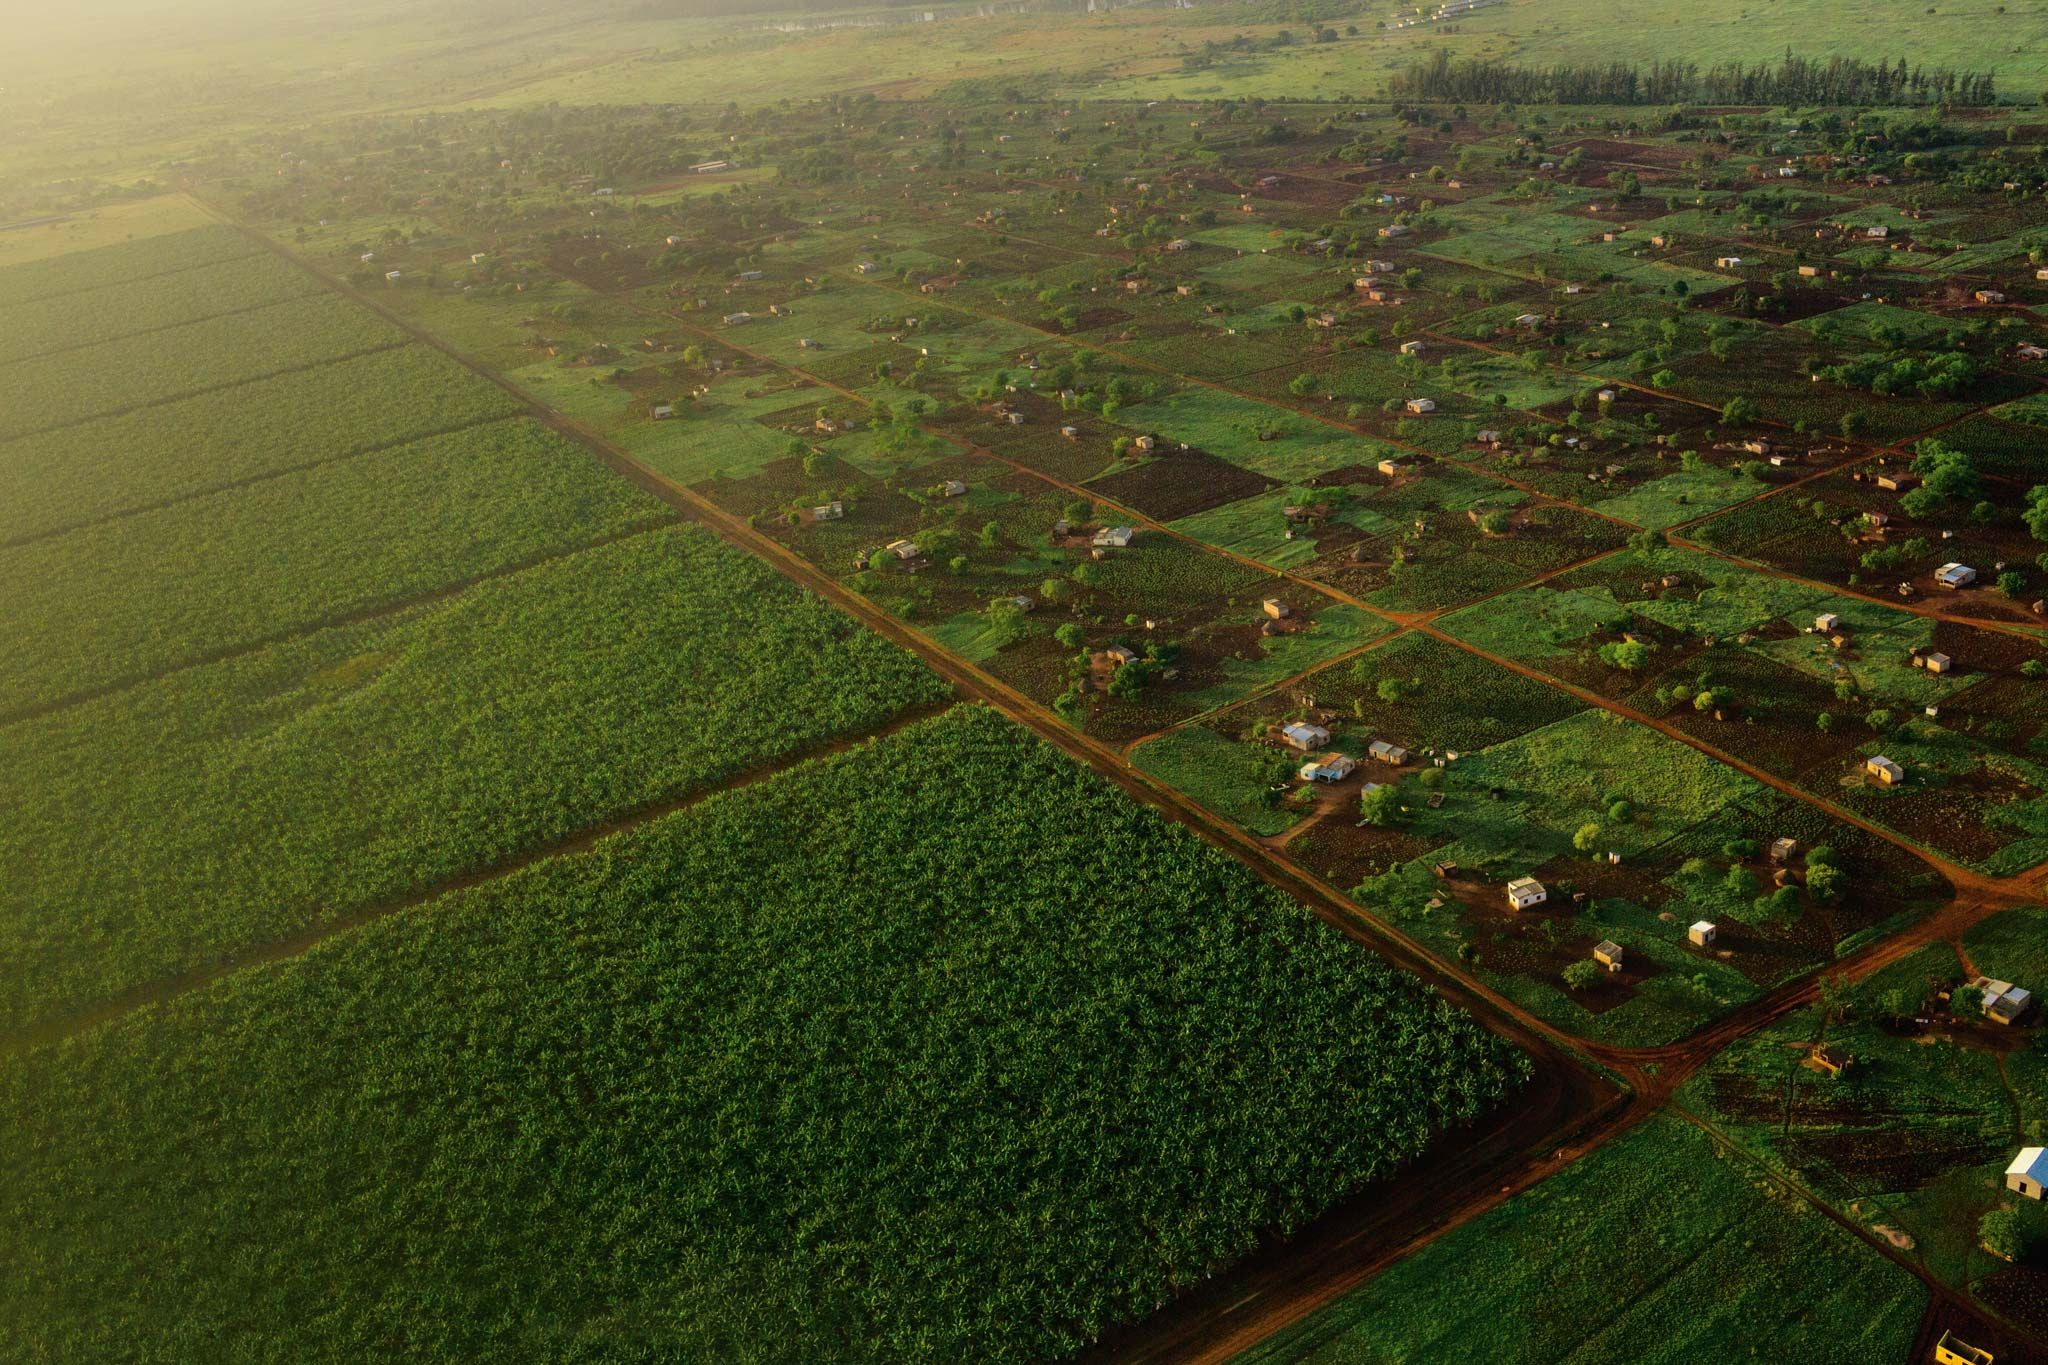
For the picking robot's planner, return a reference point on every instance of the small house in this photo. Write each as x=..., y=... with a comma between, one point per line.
x=1304, y=736
x=2028, y=1172
x=393, y=276
x=1146, y=443
x=953, y=488
x=1827, y=1059
x=1703, y=933
x=1525, y=893
x=1391, y=467
x=1783, y=849
x=1608, y=954
x=1989, y=296
x=904, y=550
x=1382, y=752
x=1015, y=419
x=2004, y=1003
x=1445, y=869
x=1808, y=271
x=1276, y=609
x=1727, y=262
x=1329, y=768
x=663, y=411
x=1411, y=348
x=1896, y=482
x=1120, y=655
x=736, y=319
x=829, y=511
x=1884, y=770
x=1826, y=622
x=1113, y=538
x=1071, y=433
x=1953, y=576
x=1934, y=661
x=748, y=276
x=1421, y=406
x=1179, y=244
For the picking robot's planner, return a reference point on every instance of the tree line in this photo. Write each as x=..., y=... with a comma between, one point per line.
x=1794, y=80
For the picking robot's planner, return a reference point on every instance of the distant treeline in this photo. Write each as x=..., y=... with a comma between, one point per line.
x=1795, y=80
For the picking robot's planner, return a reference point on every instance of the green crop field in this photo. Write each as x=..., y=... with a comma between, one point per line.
x=1657, y=1248
x=365, y=764
x=98, y=469
x=822, y=1051
x=67, y=322
x=113, y=377
x=228, y=571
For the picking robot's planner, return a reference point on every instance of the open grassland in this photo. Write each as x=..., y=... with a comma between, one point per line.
x=361, y=765
x=107, y=605
x=79, y=474
x=1656, y=1248
x=860, y=1064
x=73, y=386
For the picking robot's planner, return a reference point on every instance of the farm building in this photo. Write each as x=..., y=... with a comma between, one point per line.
x=904, y=550
x=2028, y=1172
x=1113, y=537
x=1383, y=752
x=1783, y=849
x=1953, y=575
x=1989, y=296
x=1146, y=442
x=1828, y=1059
x=1703, y=933
x=1329, y=768
x=393, y=276
x=1727, y=262
x=1608, y=954
x=1179, y=244
x=1276, y=609
x=1391, y=468
x=662, y=412
x=1445, y=869
x=1411, y=348
x=953, y=488
x=1884, y=770
x=2004, y=1003
x=1826, y=622
x=1525, y=892
x=1421, y=406
x=1120, y=655
x=1934, y=661
x=828, y=511
x=735, y=319
x=1953, y=1350
x=1071, y=433
x=1304, y=736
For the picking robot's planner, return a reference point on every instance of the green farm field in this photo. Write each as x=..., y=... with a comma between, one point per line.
x=363, y=765
x=1056, y=1083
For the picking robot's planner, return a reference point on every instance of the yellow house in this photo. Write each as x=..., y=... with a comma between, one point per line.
x=1953, y=1350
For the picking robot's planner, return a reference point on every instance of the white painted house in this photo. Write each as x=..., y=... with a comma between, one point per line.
x=2028, y=1172
x=1525, y=892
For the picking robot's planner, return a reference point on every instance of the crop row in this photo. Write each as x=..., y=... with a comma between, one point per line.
x=76, y=474
x=52, y=390
x=118, y=310
x=122, y=263
x=938, y=1050
x=231, y=804
x=109, y=604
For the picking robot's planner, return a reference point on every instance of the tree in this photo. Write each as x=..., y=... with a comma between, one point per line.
x=1070, y=635
x=1496, y=522
x=1582, y=975
x=1739, y=411
x=1380, y=805
x=1741, y=882
x=1587, y=838
x=1626, y=655
x=2012, y=583
x=2002, y=1233
x=1966, y=1002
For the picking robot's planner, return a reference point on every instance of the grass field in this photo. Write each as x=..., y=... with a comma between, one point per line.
x=850, y=1046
